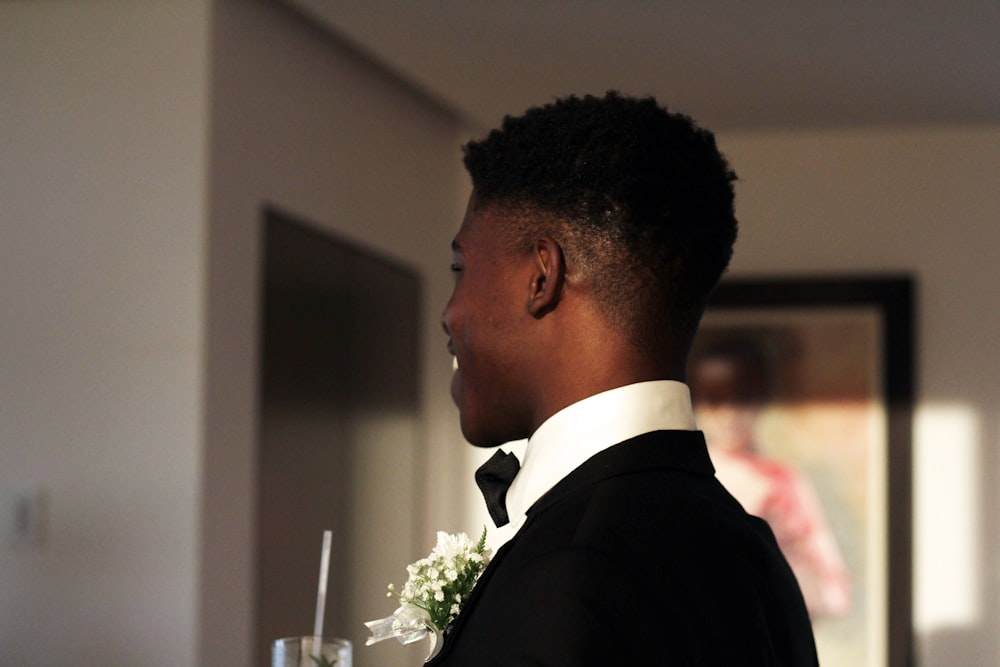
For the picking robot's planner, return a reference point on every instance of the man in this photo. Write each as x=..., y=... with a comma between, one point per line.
x=596, y=230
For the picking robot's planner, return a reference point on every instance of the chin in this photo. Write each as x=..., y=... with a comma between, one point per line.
x=478, y=440
x=478, y=437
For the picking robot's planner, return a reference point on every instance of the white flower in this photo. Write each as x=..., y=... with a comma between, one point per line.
x=452, y=546
x=441, y=582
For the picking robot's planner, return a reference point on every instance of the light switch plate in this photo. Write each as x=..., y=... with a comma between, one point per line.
x=28, y=518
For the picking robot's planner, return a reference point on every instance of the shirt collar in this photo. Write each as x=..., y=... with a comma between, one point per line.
x=574, y=434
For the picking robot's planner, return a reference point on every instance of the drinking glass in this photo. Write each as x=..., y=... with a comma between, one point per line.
x=298, y=652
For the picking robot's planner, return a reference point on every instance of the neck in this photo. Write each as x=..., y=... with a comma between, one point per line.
x=597, y=364
x=579, y=353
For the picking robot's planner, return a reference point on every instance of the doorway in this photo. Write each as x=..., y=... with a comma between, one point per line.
x=338, y=430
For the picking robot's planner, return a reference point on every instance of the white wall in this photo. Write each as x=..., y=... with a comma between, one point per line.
x=103, y=110
x=925, y=201
x=302, y=123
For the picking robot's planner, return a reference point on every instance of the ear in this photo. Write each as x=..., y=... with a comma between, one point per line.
x=547, y=277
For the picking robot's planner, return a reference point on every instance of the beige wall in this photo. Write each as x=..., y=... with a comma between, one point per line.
x=128, y=281
x=140, y=141
x=103, y=120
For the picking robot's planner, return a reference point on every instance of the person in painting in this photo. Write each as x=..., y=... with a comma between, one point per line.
x=596, y=229
x=730, y=379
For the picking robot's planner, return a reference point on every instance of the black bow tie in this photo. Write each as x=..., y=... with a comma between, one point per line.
x=494, y=478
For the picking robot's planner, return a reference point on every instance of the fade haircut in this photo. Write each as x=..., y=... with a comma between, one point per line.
x=640, y=199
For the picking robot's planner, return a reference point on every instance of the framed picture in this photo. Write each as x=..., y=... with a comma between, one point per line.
x=804, y=390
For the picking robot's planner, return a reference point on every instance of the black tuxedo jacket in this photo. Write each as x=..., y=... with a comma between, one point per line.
x=637, y=557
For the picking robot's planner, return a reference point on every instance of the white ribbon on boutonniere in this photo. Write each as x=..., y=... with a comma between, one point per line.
x=434, y=593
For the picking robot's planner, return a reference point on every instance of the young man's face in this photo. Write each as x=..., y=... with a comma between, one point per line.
x=486, y=320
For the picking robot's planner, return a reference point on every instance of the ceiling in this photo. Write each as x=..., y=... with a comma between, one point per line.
x=731, y=64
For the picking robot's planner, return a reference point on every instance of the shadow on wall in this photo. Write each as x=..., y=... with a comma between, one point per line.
x=969, y=646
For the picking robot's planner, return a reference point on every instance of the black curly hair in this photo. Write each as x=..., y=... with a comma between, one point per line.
x=640, y=198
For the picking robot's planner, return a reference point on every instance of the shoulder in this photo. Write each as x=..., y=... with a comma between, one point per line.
x=662, y=480
x=651, y=506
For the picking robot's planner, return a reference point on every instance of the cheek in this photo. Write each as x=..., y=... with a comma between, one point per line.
x=480, y=322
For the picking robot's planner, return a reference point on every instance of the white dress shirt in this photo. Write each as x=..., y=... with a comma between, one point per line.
x=579, y=431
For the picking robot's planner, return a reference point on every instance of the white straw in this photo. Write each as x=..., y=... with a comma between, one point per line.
x=324, y=568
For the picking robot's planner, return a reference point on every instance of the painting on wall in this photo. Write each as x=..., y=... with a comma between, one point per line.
x=804, y=390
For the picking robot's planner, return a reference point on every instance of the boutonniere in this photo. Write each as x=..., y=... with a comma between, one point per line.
x=434, y=593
